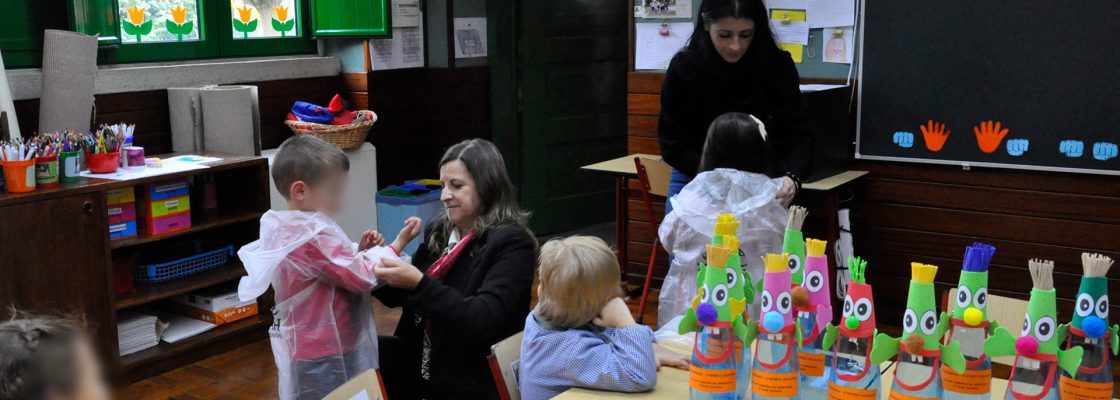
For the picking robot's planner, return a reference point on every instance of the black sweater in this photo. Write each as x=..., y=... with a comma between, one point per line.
x=483, y=299
x=700, y=86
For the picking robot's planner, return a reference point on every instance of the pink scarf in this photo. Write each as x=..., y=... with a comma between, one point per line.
x=442, y=266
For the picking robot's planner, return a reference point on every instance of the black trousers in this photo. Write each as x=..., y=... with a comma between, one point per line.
x=399, y=371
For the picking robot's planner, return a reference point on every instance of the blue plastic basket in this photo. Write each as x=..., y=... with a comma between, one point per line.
x=205, y=255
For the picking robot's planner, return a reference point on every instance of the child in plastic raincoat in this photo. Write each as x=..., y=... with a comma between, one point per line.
x=323, y=332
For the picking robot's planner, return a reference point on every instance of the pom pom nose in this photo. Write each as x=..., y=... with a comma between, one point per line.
x=1026, y=346
x=915, y=344
x=800, y=297
x=773, y=321
x=973, y=316
x=706, y=314
x=852, y=323
x=1093, y=326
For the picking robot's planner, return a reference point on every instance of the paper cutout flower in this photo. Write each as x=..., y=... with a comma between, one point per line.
x=244, y=22
x=282, y=23
x=178, y=24
x=136, y=25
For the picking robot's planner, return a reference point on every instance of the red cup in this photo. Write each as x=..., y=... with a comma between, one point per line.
x=103, y=163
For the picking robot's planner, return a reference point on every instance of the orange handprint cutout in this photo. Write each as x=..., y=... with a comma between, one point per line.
x=935, y=135
x=989, y=135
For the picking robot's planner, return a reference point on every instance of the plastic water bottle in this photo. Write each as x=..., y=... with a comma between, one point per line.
x=716, y=360
x=775, y=361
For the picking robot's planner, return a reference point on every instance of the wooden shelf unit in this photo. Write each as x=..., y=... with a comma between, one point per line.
x=58, y=259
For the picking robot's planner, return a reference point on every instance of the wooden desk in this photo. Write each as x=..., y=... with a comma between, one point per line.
x=623, y=168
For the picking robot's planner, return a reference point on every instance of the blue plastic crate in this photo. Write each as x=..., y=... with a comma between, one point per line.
x=206, y=255
x=395, y=204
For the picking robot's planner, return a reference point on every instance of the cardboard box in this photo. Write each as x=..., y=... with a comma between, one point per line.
x=366, y=386
x=217, y=317
x=217, y=305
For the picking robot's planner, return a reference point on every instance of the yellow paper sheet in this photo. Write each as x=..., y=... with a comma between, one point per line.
x=791, y=31
x=791, y=15
x=795, y=50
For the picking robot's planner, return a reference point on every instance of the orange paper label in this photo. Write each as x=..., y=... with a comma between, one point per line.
x=711, y=380
x=899, y=396
x=773, y=384
x=812, y=364
x=970, y=382
x=1080, y=390
x=837, y=392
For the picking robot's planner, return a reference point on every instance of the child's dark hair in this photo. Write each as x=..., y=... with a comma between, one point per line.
x=305, y=158
x=735, y=140
x=38, y=357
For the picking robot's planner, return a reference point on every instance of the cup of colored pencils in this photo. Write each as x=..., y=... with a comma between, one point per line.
x=103, y=151
x=18, y=160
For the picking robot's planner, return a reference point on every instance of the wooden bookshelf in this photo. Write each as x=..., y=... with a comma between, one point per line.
x=58, y=258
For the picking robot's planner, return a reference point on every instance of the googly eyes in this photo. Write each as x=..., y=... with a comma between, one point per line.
x=964, y=297
x=1044, y=329
x=719, y=295
x=1102, y=307
x=732, y=277
x=814, y=281
x=847, y=306
x=909, y=321
x=785, y=303
x=1026, y=326
x=1085, y=305
x=794, y=263
x=863, y=309
x=929, y=322
x=767, y=301
x=704, y=292
x=981, y=298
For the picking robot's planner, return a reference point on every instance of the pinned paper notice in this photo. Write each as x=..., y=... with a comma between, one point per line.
x=406, y=13
x=470, y=37
x=404, y=50
x=837, y=45
x=830, y=13
x=789, y=26
x=652, y=49
x=796, y=51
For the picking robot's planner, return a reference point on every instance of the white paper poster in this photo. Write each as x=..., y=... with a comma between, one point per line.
x=663, y=9
x=652, y=50
x=470, y=37
x=787, y=4
x=795, y=32
x=829, y=13
x=837, y=45
x=404, y=50
x=406, y=13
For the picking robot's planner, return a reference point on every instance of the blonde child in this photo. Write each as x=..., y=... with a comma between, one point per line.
x=581, y=334
x=48, y=359
x=323, y=332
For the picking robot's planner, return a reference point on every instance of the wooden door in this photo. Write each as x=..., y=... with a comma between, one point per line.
x=54, y=260
x=567, y=108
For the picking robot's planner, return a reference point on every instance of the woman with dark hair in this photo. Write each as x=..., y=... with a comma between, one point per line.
x=468, y=287
x=732, y=64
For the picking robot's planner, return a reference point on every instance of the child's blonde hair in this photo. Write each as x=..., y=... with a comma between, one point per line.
x=579, y=275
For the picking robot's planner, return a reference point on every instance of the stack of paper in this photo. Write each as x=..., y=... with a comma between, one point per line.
x=180, y=327
x=136, y=332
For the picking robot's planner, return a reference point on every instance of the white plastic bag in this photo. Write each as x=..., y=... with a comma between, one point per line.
x=688, y=229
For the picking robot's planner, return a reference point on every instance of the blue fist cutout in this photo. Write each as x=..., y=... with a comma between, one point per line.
x=904, y=139
x=1017, y=147
x=1071, y=148
x=1104, y=151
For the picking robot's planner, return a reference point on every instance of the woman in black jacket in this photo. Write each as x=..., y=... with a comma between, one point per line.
x=732, y=64
x=470, y=286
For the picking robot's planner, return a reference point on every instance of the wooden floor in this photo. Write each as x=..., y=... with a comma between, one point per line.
x=250, y=373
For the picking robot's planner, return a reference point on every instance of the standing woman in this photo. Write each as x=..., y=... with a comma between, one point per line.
x=731, y=64
x=470, y=285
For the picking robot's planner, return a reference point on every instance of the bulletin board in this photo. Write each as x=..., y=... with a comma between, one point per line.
x=812, y=65
x=1026, y=84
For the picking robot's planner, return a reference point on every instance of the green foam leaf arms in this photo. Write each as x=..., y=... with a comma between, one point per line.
x=688, y=323
x=885, y=349
x=1070, y=360
x=1114, y=338
x=1000, y=344
x=1063, y=331
x=951, y=355
x=752, y=332
x=830, y=333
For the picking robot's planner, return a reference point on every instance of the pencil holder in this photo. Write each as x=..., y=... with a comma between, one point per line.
x=69, y=165
x=46, y=171
x=103, y=163
x=19, y=176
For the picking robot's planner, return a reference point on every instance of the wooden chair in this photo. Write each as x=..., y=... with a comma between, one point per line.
x=368, y=383
x=653, y=176
x=1008, y=312
x=503, y=356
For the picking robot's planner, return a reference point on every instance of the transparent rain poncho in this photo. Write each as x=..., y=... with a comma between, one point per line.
x=688, y=229
x=323, y=333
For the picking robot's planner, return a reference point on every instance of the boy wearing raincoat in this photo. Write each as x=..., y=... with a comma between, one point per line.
x=323, y=333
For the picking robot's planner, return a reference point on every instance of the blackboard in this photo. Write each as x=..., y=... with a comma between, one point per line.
x=1048, y=72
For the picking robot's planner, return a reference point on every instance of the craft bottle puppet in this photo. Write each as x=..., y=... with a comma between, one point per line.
x=740, y=291
x=793, y=243
x=969, y=325
x=920, y=352
x=853, y=373
x=712, y=374
x=1037, y=357
x=813, y=304
x=1089, y=330
x=776, y=369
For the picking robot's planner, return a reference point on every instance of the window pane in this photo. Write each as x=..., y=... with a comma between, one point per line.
x=150, y=21
x=254, y=19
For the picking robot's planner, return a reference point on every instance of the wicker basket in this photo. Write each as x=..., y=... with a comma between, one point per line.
x=345, y=137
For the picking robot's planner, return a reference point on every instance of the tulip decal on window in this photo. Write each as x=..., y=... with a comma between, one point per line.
x=244, y=22
x=136, y=25
x=282, y=23
x=178, y=24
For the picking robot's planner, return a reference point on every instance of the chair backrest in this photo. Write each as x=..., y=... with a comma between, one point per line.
x=365, y=386
x=503, y=356
x=1006, y=311
x=654, y=175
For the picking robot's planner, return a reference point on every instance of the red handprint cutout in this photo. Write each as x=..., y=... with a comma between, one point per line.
x=989, y=135
x=935, y=135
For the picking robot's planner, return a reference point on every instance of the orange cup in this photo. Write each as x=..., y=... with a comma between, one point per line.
x=19, y=176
